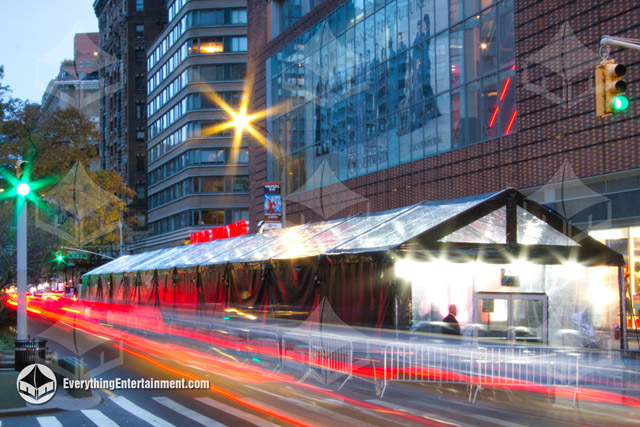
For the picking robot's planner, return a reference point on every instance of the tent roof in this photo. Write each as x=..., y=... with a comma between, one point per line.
x=498, y=228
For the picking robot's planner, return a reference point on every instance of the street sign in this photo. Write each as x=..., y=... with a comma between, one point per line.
x=77, y=255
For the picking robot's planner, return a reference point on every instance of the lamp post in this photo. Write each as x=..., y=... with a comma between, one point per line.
x=21, y=245
x=22, y=189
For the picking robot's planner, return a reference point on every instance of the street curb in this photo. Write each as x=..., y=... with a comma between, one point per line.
x=68, y=406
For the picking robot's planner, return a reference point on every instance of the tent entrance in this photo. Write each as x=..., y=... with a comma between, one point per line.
x=511, y=317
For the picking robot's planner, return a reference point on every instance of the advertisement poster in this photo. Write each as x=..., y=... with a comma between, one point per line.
x=272, y=205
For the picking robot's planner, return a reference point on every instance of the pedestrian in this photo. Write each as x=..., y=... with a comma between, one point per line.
x=451, y=326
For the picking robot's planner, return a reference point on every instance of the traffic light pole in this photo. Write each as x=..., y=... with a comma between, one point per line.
x=620, y=42
x=23, y=286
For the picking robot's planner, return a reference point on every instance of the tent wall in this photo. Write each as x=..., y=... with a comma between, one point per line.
x=360, y=293
x=247, y=286
x=215, y=289
x=294, y=287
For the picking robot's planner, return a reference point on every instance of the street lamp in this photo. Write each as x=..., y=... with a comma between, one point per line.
x=21, y=187
x=243, y=122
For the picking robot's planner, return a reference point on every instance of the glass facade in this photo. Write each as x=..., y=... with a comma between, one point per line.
x=198, y=157
x=190, y=218
x=375, y=85
x=200, y=185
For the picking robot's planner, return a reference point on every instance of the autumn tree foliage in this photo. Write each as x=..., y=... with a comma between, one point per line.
x=79, y=206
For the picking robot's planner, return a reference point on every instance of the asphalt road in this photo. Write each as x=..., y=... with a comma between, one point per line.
x=242, y=395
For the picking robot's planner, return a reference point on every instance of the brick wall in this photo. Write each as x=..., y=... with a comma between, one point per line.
x=557, y=45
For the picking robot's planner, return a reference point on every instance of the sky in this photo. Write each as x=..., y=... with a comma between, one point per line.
x=35, y=36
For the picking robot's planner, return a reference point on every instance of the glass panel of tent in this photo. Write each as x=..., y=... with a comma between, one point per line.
x=340, y=234
x=162, y=259
x=300, y=243
x=533, y=231
x=246, y=246
x=491, y=228
x=406, y=225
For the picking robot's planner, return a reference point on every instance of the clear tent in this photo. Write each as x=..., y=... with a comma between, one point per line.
x=361, y=233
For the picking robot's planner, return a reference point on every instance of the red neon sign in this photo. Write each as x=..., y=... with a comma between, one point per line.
x=224, y=232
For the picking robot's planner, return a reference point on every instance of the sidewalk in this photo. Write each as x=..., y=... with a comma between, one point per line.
x=61, y=401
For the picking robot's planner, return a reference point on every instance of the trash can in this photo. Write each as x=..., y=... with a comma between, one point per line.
x=30, y=351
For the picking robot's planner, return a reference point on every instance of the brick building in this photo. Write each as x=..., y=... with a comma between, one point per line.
x=475, y=96
x=126, y=29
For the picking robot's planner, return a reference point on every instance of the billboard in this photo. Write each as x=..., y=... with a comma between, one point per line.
x=272, y=205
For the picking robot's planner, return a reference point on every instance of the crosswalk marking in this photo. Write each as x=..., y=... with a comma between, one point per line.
x=183, y=410
x=134, y=409
x=235, y=412
x=48, y=422
x=98, y=418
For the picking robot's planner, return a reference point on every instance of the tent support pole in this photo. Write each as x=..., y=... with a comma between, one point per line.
x=623, y=308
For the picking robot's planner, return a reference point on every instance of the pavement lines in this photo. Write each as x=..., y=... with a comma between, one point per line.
x=48, y=422
x=183, y=410
x=235, y=412
x=311, y=407
x=432, y=417
x=98, y=418
x=134, y=409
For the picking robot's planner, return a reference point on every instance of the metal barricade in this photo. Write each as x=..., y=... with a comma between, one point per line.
x=295, y=351
x=330, y=358
x=239, y=341
x=420, y=363
x=264, y=347
x=478, y=367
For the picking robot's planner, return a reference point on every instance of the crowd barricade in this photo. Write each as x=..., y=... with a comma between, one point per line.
x=239, y=342
x=264, y=348
x=330, y=358
x=478, y=367
x=294, y=351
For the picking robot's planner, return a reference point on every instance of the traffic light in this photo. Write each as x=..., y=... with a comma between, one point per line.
x=610, y=88
x=59, y=258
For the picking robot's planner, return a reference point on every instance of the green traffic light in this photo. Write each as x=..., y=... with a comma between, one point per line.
x=23, y=189
x=620, y=103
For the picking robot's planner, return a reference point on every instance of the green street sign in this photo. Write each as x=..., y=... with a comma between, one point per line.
x=77, y=255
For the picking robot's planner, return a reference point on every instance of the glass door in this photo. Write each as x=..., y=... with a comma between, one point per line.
x=511, y=316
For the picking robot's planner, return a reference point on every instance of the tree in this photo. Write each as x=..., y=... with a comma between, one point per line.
x=57, y=145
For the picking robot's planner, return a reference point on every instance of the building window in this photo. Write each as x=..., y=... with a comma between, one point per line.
x=142, y=220
x=140, y=84
x=140, y=163
x=87, y=63
x=140, y=57
x=243, y=156
x=140, y=112
x=141, y=192
x=215, y=157
x=140, y=135
x=212, y=218
x=238, y=215
x=140, y=31
x=139, y=5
